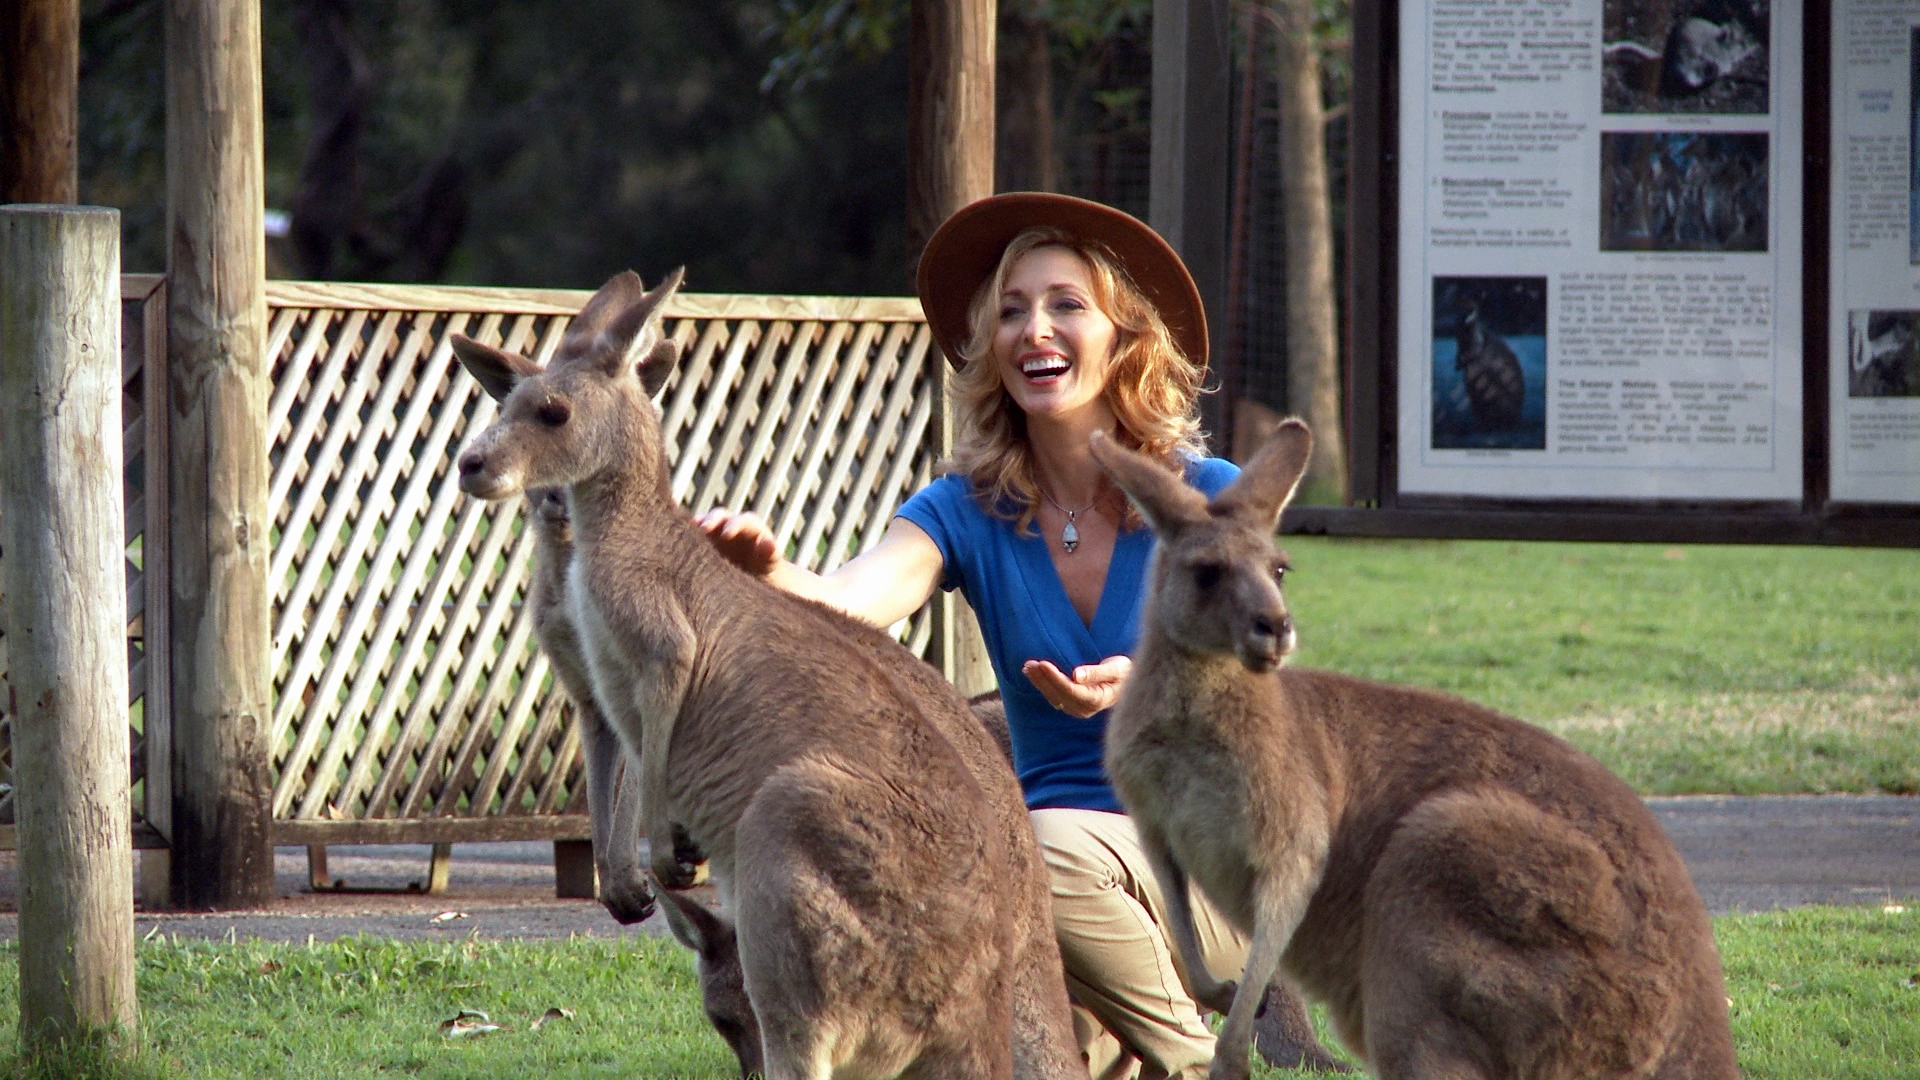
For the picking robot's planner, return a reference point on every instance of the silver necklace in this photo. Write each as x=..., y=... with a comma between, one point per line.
x=1069, y=536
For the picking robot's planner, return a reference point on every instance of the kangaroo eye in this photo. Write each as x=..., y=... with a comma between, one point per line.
x=553, y=412
x=1207, y=575
x=1279, y=575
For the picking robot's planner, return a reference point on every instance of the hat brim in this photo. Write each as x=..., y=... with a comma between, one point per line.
x=966, y=249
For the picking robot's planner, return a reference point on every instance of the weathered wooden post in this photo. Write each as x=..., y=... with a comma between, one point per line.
x=39, y=101
x=1187, y=174
x=950, y=110
x=950, y=46
x=217, y=387
x=66, y=617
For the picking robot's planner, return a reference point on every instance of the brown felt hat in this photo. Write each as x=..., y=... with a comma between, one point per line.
x=964, y=251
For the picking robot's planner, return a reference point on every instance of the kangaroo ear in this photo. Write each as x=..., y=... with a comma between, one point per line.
x=1267, y=484
x=496, y=370
x=696, y=927
x=1163, y=498
x=655, y=367
x=634, y=330
x=620, y=291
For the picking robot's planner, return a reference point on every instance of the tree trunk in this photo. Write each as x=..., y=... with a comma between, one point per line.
x=217, y=389
x=39, y=101
x=1313, y=357
x=950, y=51
x=1024, y=156
x=65, y=582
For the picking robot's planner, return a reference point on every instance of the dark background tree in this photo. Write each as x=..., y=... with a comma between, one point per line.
x=526, y=143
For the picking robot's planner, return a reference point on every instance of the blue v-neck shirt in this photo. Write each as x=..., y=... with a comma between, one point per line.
x=1024, y=613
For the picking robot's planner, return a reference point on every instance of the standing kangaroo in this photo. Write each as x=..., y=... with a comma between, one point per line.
x=612, y=806
x=1470, y=896
x=889, y=923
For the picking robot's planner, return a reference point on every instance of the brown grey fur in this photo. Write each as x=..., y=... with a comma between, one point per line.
x=886, y=915
x=1471, y=896
x=612, y=789
x=723, y=990
x=716, y=948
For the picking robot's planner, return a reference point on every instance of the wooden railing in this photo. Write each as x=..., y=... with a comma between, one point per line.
x=411, y=701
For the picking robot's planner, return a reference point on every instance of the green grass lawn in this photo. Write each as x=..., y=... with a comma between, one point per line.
x=1818, y=992
x=1695, y=669
x=1685, y=669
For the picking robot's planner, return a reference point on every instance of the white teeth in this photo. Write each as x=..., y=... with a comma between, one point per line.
x=1042, y=367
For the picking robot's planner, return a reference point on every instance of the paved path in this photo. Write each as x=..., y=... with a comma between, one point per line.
x=1746, y=854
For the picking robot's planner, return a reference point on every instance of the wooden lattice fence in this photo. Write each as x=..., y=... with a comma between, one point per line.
x=411, y=701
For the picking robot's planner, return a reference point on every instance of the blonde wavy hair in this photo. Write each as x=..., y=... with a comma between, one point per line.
x=1152, y=387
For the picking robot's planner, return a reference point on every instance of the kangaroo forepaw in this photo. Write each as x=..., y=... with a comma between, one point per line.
x=684, y=848
x=1219, y=997
x=671, y=873
x=629, y=903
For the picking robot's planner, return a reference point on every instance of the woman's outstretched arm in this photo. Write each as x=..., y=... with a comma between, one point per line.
x=885, y=584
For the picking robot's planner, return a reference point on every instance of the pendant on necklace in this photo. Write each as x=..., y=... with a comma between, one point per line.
x=1069, y=536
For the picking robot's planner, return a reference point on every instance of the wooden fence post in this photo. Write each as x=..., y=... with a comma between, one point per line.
x=66, y=616
x=950, y=117
x=39, y=101
x=1187, y=172
x=217, y=387
x=950, y=48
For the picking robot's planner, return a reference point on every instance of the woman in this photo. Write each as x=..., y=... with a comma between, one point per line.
x=1063, y=317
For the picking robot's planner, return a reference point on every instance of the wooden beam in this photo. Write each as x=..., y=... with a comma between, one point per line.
x=340, y=295
x=217, y=389
x=433, y=830
x=39, y=101
x=950, y=59
x=1845, y=526
x=1188, y=164
x=65, y=583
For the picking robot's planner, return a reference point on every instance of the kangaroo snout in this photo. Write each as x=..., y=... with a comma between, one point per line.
x=482, y=480
x=1268, y=640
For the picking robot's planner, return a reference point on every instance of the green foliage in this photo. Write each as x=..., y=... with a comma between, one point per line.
x=816, y=37
x=1685, y=669
x=585, y=138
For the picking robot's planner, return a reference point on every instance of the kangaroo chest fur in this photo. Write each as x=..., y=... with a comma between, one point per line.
x=1184, y=752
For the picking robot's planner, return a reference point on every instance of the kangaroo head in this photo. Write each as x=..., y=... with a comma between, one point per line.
x=590, y=410
x=1215, y=583
x=723, y=991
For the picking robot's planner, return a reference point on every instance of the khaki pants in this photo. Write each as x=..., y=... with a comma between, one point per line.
x=1133, y=1010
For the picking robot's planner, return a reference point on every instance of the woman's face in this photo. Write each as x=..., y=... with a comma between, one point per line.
x=1052, y=345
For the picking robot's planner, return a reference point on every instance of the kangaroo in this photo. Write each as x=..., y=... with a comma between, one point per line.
x=723, y=992
x=612, y=796
x=716, y=948
x=1471, y=896
x=1490, y=371
x=888, y=921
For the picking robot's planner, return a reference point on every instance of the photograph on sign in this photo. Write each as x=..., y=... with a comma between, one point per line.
x=1683, y=191
x=1883, y=354
x=1685, y=56
x=1599, y=263
x=1874, y=250
x=1490, y=363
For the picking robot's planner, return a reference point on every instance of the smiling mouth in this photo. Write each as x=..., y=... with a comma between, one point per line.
x=1044, y=367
